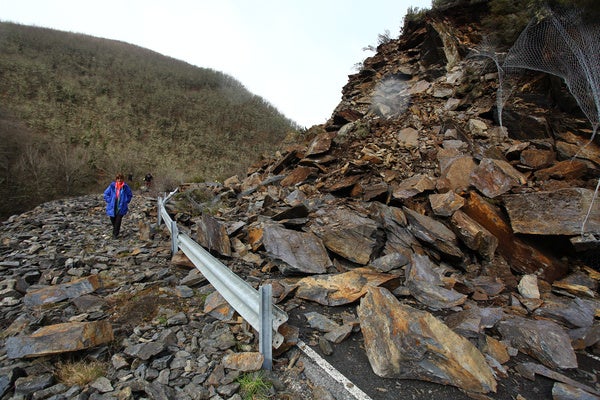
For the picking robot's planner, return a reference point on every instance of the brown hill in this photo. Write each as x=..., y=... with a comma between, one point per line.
x=77, y=109
x=418, y=126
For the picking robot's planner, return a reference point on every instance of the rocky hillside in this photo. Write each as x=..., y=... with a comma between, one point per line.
x=417, y=245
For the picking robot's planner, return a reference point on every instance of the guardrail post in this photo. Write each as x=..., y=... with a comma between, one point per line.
x=160, y=206
x=174, y=235
x=265, y=338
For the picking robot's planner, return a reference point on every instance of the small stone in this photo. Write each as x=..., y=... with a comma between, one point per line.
x=118, y=361
x=325, y=346
x=528, y=287
x=102, y=384
x=245, y=362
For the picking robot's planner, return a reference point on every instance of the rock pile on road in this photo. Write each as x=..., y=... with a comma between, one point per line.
x=459, y=241
x=453, y=245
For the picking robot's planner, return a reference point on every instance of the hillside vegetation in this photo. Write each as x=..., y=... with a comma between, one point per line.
x=75, y=109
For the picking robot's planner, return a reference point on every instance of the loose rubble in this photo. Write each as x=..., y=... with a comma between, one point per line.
x=411, y=178
x=72, y=293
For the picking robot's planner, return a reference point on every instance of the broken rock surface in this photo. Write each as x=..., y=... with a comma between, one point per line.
x=406, y=343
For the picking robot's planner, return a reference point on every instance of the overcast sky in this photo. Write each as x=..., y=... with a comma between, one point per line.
x=296, y=54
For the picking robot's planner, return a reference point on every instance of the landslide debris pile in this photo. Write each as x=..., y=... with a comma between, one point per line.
x=458, y=240
x=451, y=246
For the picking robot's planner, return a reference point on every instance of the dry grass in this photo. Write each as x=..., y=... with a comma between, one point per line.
x=80, y=372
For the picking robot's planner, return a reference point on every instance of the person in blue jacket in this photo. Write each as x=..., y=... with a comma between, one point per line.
x=117, y=196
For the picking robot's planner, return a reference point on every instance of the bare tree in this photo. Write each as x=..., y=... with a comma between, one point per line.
x=70, y=166
x=33, y=170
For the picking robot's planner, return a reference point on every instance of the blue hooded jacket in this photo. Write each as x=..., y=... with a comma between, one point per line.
x=110, y=196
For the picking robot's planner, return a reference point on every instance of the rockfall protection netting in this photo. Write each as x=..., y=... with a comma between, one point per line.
x=568, y=46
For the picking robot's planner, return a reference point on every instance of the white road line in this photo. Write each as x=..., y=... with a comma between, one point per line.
x=591, y=356
x=334, y=373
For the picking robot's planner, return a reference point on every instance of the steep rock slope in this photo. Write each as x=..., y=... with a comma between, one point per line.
x=414, y=188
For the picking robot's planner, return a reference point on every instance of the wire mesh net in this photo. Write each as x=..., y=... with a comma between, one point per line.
x=566, y=46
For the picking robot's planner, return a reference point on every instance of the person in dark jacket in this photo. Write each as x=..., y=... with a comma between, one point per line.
x=148, y=180
x=117, y=196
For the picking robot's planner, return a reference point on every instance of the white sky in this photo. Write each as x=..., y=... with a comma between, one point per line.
x=296, y=54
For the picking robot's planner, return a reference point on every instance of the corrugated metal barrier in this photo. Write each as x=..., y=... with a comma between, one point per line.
x=255, y=306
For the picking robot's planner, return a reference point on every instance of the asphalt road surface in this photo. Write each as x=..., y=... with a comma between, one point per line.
x=359, y=382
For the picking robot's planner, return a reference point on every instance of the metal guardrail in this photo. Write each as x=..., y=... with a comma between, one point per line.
x=255, y=306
